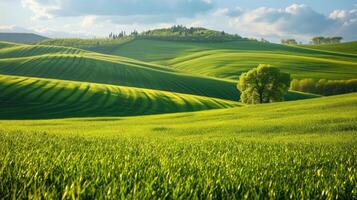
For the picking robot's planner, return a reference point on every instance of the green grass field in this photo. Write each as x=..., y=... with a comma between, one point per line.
x=229, y=59
x=347, y=47
x=92, y=119
x=282, y=150
x=23, y=97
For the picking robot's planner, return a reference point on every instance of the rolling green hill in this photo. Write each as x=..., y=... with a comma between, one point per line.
x=21, y=37
x=66, y=63
x=78, y=65
x=103, y=45
x=230, y=64
x=347, y=47
x=24, y=97
x=102, y=85
x=229, y=59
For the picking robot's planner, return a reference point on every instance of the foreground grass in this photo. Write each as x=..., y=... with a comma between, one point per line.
x=303, y=149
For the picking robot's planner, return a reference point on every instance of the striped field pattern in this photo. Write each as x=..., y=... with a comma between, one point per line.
x=23, y=97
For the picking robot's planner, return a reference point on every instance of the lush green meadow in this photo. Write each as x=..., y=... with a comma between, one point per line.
x=31, y=98
x=113, y=119
x=302, y=149
x=229, y=59
x=347, y=47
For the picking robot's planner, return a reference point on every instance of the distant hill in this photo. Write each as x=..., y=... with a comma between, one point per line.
x=347, y=47
x=21, y=37
x=182, y=33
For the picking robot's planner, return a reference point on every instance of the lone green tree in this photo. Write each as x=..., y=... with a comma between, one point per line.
x=263, y=84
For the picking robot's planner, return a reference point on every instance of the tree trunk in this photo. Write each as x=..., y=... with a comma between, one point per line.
x=261, y=98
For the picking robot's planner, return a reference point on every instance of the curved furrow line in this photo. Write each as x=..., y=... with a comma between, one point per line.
x=107, y=96
x=72, y=72
x=45, y=91
x=15, y=68
x=10, y=93
x=149, y=104
x=44, y=61
x=118, y=103
x=24, y=93
x=81, y=95
x=50, y=65
x=22, y=51
x=57, y=92
x=95, y=100
x=71, y=93
x=65, y=68
x=2, y=90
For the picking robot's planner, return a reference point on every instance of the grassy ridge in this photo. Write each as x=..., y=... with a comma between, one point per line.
x=281, y=150
x=78, y=65
x=102, y=45
x=21, y=37
x=229, y=59
x=22, y=97
x=347, y=47
x=230, y=64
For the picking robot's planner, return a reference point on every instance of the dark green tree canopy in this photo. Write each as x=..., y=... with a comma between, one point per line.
x=263, y=84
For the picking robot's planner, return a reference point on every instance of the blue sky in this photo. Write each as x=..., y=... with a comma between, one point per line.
x=271, y=19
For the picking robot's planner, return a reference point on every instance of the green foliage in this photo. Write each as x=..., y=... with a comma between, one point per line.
x=263, y=84
x=326, y=40
x=302, y=149
x=324, y=87
x=289, y=41
x=182, y=33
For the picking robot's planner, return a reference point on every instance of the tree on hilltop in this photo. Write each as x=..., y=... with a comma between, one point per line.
x=263, y=84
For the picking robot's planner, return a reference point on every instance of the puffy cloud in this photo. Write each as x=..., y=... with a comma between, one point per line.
x=42, y=9
x=88, y=21
x=294, y=21
x=159, y=10
x=237, y=11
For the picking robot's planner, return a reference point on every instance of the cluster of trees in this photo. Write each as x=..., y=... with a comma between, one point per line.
x=122, y=34
x=326, y=40
x=182, y=33
x=324, y=87
x=263, y=84
x=289, y=41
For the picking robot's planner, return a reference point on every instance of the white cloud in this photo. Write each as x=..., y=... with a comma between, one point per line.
x=88, y=21
x=338, y=14
x=296, y=20
x=41, y=9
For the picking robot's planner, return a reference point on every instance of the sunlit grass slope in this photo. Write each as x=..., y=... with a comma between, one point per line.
x=230, y=64
x=230, y=59
x=347, y=47
x=103, y=45
x=78, y=65
x=302, y=149
x=23, y=97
